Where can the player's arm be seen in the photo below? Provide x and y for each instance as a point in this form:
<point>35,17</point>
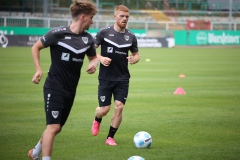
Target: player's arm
<point>98,40</point>
<point>133,58</point>
<point>104,60</point>
<point>36,60</point>
<point>92,66</point>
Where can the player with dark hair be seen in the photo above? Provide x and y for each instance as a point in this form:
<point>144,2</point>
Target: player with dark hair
<point>68,47</point>
<point>116,41</point>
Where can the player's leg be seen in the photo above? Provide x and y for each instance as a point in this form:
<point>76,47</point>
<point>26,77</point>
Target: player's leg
<point>117,114</point>
<point>58,106</point>
<point>48,138</point>
<point>120,95</point>
<point>35,152</point>
<point>100,112</point>
<point>58,111</point>
<point>115,123</point>
<point>54,109</point>
<point>104,99</point>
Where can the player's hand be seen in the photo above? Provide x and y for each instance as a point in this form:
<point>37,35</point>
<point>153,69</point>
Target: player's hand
<point>37,77</point>
<point>105,61</point>
<point>130,59</point>
<point>91,69</point>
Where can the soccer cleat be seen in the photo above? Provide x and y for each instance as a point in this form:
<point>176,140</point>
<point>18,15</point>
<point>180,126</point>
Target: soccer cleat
<point>95,127</point>
<point>110,141</point>
<point>31,156</point>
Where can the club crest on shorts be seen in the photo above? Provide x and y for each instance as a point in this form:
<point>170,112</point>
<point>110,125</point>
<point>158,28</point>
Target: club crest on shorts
<point>85,39</point>
<point>55,114</point>
<point>102,98</point>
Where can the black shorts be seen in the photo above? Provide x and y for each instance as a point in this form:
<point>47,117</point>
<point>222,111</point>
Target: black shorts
<point>119,90</point>
<point>57,106</point>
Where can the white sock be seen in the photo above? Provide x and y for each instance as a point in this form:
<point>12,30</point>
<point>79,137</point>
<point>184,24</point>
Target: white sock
<point>46,158</point>
<point>37,149</point>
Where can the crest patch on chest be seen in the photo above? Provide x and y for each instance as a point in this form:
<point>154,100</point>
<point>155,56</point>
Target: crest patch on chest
<point>85,39</point>
<point>126,37</point>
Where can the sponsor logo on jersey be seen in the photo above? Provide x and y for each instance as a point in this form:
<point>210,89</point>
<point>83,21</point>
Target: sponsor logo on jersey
<point>111,35</point>
<point>55,114</point>
<point>65,56</point>
<point>77,60</point>
<point>126,37</point>
<point>109,49</point>
<point>118,52</point>
<point>85,39</point>
<point>102,98</point>
<point>68,37</point>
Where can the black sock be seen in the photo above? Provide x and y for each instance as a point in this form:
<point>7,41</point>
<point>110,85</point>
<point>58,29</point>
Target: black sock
<point>98,119</point>
<point>112,132</point>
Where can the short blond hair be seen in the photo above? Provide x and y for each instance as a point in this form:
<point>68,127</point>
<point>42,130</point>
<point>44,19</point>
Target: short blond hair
<point>121,8</point>
<point>82,7</point>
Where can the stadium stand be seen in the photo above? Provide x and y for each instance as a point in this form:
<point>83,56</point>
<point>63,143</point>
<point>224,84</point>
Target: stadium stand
<point>150,15</point>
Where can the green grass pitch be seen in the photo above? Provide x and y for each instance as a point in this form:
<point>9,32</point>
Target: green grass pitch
<point>203,124</point>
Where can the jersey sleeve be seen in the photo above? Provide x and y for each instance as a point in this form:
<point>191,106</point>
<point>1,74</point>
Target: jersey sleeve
<point>48,39</point>
<point>92,50</point>
<point>98,38</point>
<point>134,47</point>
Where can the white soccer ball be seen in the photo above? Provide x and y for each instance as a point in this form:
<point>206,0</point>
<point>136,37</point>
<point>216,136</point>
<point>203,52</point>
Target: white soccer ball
<point>135,158</point>
<point>142,140</point>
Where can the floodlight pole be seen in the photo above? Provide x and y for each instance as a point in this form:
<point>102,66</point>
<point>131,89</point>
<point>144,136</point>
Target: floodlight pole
<point>45,12</point>
<point>97,16</point>
<point>230,15</point>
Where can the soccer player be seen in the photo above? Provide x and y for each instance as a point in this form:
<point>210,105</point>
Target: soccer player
<point>116,41</point>
<point>68,47</point>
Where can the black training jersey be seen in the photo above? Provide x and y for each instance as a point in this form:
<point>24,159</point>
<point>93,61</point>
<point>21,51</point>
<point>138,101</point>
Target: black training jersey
<point>67,54</point>
<point>115,45</point>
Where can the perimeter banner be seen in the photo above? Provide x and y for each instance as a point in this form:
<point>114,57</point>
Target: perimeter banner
<point>23,40</point>
<point>21,36</point>
<point>41,31</point>
<point>202,37</point>
<point>20,40</point>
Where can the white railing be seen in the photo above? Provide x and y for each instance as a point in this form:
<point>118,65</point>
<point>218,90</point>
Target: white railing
<point>99,23</point>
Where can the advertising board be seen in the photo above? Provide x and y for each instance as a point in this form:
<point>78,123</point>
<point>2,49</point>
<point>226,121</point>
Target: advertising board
<point>20,36</point>
<point>203,37</point>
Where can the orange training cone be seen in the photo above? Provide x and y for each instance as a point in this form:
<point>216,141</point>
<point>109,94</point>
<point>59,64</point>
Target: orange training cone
<point>182,75</point>
<point>179,90</point>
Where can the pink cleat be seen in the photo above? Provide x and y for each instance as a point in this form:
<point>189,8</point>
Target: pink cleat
<point>30,155</point>
<point>110,141</point>
<point>95,127</point>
